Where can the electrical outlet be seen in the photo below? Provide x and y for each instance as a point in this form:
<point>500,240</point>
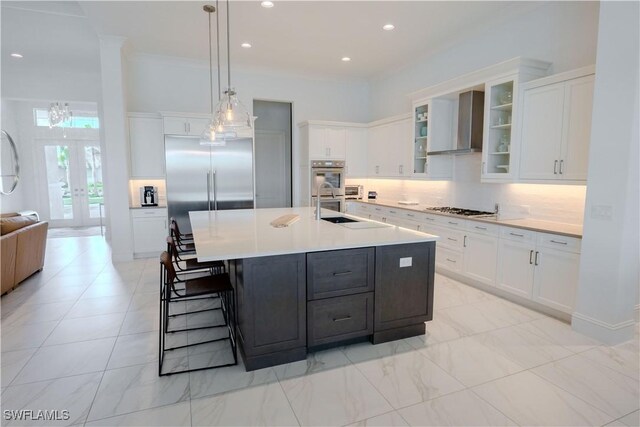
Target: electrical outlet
<point>604,212</point>
<point>406,262</point>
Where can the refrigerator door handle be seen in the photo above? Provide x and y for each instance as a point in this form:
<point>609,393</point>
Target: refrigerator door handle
<point>208,190</point>
<point>215,192</point>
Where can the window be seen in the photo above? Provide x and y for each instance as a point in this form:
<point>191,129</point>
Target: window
<point>80,119</point>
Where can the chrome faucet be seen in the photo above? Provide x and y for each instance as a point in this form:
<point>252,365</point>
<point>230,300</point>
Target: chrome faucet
<point>318,198</point>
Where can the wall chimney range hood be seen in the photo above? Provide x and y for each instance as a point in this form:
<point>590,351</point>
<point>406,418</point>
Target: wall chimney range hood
<point>470,124</point>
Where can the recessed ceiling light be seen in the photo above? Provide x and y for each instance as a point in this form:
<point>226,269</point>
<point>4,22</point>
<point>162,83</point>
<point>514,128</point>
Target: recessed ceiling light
<point>246,45</point>
<point>346,59</point>
<point>16,55</point>
<point>267,4</point>
<point>388,27</point>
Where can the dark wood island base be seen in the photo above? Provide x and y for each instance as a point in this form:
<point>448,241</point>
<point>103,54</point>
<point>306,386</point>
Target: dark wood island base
<point>291,304</point>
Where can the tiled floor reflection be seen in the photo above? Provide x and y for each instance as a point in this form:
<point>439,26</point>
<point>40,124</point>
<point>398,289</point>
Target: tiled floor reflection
<point>82,336</point>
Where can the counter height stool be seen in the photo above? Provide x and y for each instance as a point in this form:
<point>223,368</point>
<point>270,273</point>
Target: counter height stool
<point>184,245</point>
<point>187,287</point>
<point>183,236</point>
<point>183,264</point>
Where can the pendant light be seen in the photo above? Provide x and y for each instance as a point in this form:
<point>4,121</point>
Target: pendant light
<point>213,134</point>
<point>231,116</point>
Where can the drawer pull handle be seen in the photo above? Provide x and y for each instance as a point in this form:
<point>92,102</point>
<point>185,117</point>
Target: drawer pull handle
<point>481,228</point>
<point>531,256</point>
<point>377,209</point>
<point>536,260</point>
<point>411,215</point>
<point>341,319</point>
<point>393,212</point>
<point>342,273</point>
<point>453,223</point>
<point>453,240</point>
<point>560,243</point>
<point>430,219</point>
<point>451,260</point>
<point>517,235</point>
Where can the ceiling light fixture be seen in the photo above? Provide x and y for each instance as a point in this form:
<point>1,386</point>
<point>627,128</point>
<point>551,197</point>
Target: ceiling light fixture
<point>246,45</point>
<point>211,134</point>
<point>267,4</point>
<point>16,55</point>
<point>388,27</point>
<point>346,59</point>
<point>230,115</point>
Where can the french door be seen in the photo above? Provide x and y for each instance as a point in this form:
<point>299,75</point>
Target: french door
<point>73,179</point>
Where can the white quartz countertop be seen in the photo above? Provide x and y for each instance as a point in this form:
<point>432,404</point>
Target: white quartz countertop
<point>569,230</point>
<point>247,233</point>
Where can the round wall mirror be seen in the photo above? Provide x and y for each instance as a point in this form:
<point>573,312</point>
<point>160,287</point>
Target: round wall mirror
<point>9,166</point>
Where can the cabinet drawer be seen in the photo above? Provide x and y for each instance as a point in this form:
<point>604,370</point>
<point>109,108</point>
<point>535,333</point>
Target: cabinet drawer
<point>336,273</point>
<point>449,221</point>
<point>563,243</point>
<point>449,259</point>
<point>517,234</point>
<point>148,213</point>
<point>336,319</point>
<point>483,228</point>
<point>453,239</point>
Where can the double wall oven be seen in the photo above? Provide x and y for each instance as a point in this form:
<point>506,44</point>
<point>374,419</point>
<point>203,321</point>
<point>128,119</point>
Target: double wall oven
<point>332,172</point>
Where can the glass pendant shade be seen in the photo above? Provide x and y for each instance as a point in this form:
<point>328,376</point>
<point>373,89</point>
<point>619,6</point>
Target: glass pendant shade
<point>211,136</point>
<point>231,116</point>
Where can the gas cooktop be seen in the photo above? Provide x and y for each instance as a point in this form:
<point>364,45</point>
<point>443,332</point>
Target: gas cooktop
<point>460,211</point>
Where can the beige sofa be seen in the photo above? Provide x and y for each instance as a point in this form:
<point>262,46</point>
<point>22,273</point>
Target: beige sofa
<point>23,241</point>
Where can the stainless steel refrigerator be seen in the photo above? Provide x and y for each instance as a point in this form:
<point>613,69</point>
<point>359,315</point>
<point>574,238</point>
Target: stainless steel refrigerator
<point>201,177</point>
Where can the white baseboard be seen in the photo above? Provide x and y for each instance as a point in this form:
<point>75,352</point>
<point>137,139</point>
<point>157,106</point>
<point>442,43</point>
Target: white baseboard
<point>607,333</point>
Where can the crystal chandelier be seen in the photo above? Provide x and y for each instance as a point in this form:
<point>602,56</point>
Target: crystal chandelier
<point>59,114</point>
<point>230,115</point>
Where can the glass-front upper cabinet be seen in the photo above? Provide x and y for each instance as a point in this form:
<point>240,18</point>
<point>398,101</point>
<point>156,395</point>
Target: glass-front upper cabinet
<point>421,135</point>
<point>500,115</point>
<point>433,120</point>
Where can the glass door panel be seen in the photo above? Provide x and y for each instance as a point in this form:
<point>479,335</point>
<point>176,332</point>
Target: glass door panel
<point>93,179</point>
<point>58,176</point>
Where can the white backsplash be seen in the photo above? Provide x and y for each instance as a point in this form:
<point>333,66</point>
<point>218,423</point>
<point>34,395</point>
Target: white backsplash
<point>558,203</point>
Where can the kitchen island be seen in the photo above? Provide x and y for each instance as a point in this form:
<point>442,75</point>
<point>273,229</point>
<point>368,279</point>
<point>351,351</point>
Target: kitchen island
<point>316,284</point>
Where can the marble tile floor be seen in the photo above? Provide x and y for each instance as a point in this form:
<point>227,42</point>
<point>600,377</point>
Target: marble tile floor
<point>82,336</point>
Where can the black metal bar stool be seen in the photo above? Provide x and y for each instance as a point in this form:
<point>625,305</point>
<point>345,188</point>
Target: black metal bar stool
<point>191,286</point>
<point>183,236</point>
<point>184,246</point>
<point>182,263</point>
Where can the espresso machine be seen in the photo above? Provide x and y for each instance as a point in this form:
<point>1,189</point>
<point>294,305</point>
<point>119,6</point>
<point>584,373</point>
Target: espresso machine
<point>149,195</point>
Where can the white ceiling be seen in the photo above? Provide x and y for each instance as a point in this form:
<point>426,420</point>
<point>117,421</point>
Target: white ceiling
<point>306,37</point>
<point>48,35</point>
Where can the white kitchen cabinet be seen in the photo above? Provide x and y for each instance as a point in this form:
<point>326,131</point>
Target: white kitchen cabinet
<point>542,132</point>
<point>146,143</point>
<point>389,147</point>
<point>480,257</point>
<point>185,126</point>
<point>356,152</point>
<point>150,231</point>
<point>539,266</point>
<point>556,129</point>
<point>515,267</point>
<point>556,278</point>
<point>327,142</point>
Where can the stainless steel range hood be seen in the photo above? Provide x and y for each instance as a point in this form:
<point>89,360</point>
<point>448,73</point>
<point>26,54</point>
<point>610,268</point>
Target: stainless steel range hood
<point>470,124</point>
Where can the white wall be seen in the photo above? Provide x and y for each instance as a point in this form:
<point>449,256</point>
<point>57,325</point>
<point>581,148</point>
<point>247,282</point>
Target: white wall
<point>563,33</point>
<point>610,255</point>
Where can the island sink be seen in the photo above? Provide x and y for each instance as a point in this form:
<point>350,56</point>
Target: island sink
<point>339,219</point>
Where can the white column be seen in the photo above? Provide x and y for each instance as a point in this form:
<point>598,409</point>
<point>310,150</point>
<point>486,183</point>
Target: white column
<point>116,148</point>
<point>609,280</point>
